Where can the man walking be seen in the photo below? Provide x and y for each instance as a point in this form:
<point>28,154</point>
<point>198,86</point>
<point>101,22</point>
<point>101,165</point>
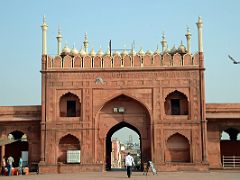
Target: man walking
<point>129,162</point>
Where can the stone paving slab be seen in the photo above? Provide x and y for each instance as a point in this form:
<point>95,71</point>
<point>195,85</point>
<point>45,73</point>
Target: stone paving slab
<point>212,175</point>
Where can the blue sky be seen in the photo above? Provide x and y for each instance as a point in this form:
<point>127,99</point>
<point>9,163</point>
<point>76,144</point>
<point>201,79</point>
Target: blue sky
<point>122,22</point>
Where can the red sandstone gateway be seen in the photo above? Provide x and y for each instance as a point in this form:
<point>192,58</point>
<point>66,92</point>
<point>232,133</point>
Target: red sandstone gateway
<point>87,96</point>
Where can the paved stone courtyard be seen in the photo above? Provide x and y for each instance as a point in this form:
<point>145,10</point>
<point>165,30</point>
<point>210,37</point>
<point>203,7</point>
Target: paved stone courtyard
<point>212,175</point>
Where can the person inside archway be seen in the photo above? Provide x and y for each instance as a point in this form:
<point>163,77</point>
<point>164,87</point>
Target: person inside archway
<point>20,166</point>
<point>10,161</point>
<point>3,165</point>
<point>129,162</point>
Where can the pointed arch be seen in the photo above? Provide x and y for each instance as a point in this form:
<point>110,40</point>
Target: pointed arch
<point>157,60</point>
<point>107,61</point>
<point>67,62</point>
<point>148,60</point>
<point>117,61</point>
<point>196,59</point>
<point>111,98</point>
<point>135,115</point>
<point>127,61</point>
<point>178,149</point>
<point>49,62</point>
<point>177,59</point>
<point>87,62</point>
<point>77,62</point>
<point>97,62</point>
<point>69,105</point>
<point>57,62</point>
<point>166,59</point>
<point>187,60</point>
<point>109,134</point>
<point>176,103</point>
<point>67,143</point>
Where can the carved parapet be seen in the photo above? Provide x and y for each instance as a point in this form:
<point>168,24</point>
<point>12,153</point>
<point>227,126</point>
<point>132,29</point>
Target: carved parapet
<point>122,61</point>
<point>177,60</point>
<point>67,62</point>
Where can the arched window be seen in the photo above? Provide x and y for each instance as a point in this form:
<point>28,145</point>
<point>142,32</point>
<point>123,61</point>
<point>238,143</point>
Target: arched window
<point>70,106</point>
<point>178,149</point>
<point>176,103</point>
<point>69,149</point>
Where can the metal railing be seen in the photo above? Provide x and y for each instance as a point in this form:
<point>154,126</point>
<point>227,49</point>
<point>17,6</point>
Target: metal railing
<point>231,161</point>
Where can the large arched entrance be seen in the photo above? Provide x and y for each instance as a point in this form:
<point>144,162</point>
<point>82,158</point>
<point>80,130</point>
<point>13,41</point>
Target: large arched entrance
<point>229,146</point>
<point>18,147</point>
<point>122,148</point>
<point>123,111</point>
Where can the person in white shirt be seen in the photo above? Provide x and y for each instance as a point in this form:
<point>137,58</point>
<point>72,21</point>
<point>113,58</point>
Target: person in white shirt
<point>129,162</point>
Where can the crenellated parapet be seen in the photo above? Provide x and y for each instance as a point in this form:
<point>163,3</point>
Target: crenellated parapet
<point>176,57</point>
<point>122,61</point>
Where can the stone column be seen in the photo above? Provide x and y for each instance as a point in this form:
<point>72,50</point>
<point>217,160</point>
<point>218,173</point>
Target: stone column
<point>2,152</point>
<point>44,36</point>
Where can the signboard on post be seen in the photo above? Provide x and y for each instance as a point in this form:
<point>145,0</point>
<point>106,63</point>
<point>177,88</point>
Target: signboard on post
<point>149,165</point>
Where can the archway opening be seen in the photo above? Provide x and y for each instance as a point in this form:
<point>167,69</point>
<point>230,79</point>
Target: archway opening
<point>178,149</point>
<point>69,150</point>
<point>18,147</point>
<point>230,142</point>
<point>121,139</point>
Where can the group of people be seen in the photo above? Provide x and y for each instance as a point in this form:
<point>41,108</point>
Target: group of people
<point>8,165</point>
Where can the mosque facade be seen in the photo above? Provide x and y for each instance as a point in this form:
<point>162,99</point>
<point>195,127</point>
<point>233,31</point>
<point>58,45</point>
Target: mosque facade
<point>88,96</point>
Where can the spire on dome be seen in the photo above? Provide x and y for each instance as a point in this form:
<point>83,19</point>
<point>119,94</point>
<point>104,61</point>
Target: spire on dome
<point>141,52</point>
<point>164,42</point>
<point>74,51</point>
<point>100,52</point>
<point>85,42</point>
<point>92,53</point>
<point>157,50</point>
<point>188,36</point>
<point>59,40</point>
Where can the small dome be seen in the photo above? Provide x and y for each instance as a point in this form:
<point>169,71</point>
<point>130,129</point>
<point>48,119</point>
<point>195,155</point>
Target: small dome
<point>173,50</point>
<point>167,50</point>
<point>124,53</point>
<point>107,53</point>
<point>82,52</point>
<point>141,52</point>
<point>149,52</point>
<point>181,48</point>
<point>92,53</point>
<point>100,52</point>
<point>66,49</point>
<point>116,53</point>
<point>133,52</point>
<point>74,51</point>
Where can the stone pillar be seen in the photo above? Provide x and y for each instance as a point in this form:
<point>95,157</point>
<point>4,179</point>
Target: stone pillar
<point>59,42</point>
<point>2,152</point>
<point>200,25</point>
<point>188,36</point>
<point>44,36</point>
